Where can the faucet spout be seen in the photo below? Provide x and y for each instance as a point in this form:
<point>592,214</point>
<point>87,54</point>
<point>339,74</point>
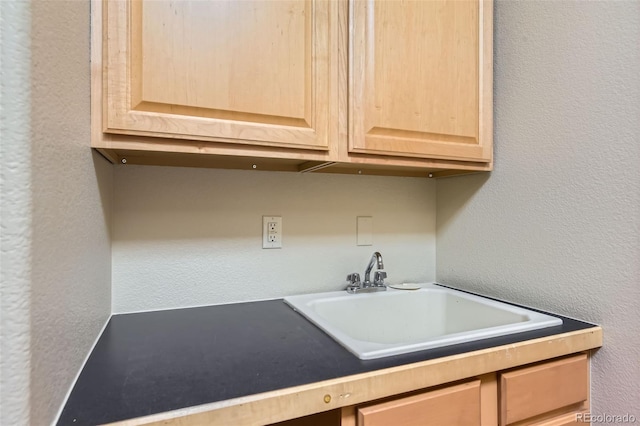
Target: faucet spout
<point>353,280</point>
<point>376,260</point>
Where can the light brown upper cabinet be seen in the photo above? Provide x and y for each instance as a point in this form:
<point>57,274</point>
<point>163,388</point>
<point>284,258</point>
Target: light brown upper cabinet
<point>421,79</point>
<point>251,72</point>
<point>347,86</point>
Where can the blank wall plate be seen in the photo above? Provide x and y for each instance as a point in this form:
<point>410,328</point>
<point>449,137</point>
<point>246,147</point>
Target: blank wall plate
<point>271,232</point>
<point>364,230</point>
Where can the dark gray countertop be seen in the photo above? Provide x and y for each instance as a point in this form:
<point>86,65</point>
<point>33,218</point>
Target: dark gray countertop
<point>152,362</point>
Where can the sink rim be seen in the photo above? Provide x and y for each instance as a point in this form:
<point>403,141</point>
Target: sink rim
<point>365,350</point>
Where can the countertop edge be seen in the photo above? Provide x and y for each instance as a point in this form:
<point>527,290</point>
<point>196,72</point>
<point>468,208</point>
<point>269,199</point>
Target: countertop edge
<point>298,401</point>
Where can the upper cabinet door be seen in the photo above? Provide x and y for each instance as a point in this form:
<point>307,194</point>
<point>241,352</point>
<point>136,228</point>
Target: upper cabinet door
<point>421,79</point>
<point>249,72</point>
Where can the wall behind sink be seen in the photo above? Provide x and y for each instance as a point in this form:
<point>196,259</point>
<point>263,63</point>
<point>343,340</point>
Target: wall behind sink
<point>556,225</point>
<point>187,237</point>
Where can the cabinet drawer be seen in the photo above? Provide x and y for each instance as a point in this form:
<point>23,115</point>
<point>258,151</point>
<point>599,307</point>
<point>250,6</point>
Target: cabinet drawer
<point>540,389</point>
<point>573,418</point>
<point>454,405</point>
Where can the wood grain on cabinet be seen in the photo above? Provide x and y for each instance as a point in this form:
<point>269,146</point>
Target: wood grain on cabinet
<point>489,399</point>
<point>269,83</point>
<point>257,73</point>
<point>574,418</point>
<point>544,388</point>
<point>452,405</point>
<point>488,405</point>
<point>421,79</point>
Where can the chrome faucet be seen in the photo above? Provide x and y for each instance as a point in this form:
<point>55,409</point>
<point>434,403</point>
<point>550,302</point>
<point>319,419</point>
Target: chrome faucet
<point>355,286</point>
<point>375,259</point>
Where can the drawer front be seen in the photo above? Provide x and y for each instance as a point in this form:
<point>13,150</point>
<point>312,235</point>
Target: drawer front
<point>574,418</point>
<point>540,389</point>
<point>454,405</point>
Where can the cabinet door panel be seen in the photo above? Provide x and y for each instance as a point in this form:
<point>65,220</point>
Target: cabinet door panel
<point>532,391</point>
<point>574,418</point>
<point>454,405</point>
<point>251,72</point>
<point>421,78</point>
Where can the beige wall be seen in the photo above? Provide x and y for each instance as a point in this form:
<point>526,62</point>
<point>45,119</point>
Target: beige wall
<point>59,210</point>
<point>185,237</point>
<point>72,194</point>
<point>556,225</point>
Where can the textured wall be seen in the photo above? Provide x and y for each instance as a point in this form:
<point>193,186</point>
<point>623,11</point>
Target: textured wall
<point>72,192</point>
<point>185,237</point>
<point>56,246</point>
<point>556,225</point>
<point>15,217</point>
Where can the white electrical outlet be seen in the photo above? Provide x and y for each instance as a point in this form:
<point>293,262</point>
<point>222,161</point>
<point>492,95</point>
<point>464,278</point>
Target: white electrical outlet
<point>271,232</point>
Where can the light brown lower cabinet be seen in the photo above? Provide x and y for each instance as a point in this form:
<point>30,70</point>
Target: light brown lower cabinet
<point>550,393</point>
<point>453,405</point>
<point>547,394</point>
<point>574,418</point>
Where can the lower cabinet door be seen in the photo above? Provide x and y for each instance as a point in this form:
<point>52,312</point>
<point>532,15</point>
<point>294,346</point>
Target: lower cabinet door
<point>541,390</point>
<point>574,418</point>
<point>453,405</point>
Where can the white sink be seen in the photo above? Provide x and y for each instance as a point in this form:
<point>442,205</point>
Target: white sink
<point>375,325</point>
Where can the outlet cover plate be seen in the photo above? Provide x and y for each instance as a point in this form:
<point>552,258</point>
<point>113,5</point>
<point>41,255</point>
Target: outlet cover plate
<point>271,232</point>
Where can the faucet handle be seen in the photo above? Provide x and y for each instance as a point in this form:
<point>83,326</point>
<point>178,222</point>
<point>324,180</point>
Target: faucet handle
<point>353,283</point>
<point>378,278</point>
<point>354,279</point>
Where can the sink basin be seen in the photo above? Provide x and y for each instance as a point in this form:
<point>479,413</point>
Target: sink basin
<point>375,325</point>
